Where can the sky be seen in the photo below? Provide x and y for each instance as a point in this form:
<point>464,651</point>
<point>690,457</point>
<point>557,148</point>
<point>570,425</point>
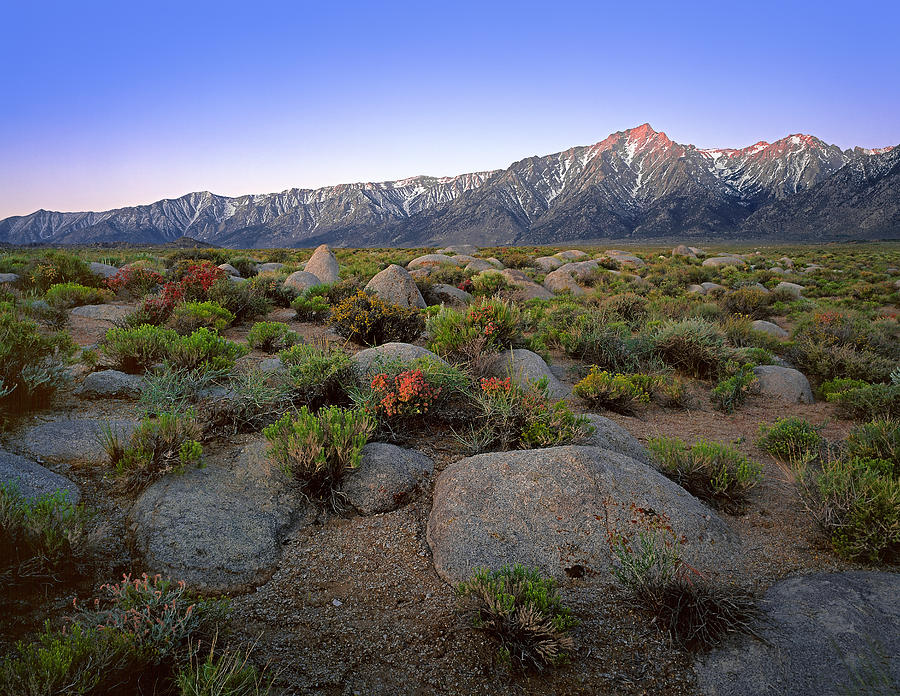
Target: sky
<point>112,104</point>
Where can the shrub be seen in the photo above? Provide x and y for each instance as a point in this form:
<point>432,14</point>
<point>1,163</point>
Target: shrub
<point>748,301</point>
<point>837,386</point>
<point>135,349</point>
<point>244,265</point>
<point>591,338</point>
<point>790,439</point>
<point>271,336</point>
<point>693,346</point>
<point>271,288</point>
<point>522,611</point>
<point>319,448</point>
<point>870,401</point>
<point>204,350</point>
<point>66,295</point>
<point>190,316</point>
<point>195,278</point>
<point>879,443</point>
<point>403,395</point>
<point>239,299</point>
<point>56,267</point>
<point>318,373</point>
<point>488,325</point>
<point>516,259</point>
<point>40,537</point>
<point>732,391</point>
<point>509,416</point>
<point>162,445</point>
<point>715,473</point>
<point>173,390</point>
<point>136,281</point>
<point>489,283</point>
<point>312,304</point>
<point>224,674</point>
<point>628,307</point>
<point>369,320</point>
<point>617,392</point>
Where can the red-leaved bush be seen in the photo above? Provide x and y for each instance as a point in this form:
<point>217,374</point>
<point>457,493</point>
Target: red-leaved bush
<point>136,281</point>
<point>407,394</point>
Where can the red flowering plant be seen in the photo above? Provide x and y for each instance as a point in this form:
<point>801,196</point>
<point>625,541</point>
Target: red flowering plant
<point>196,278</point>
<point>406,394</point>
<point>135,281</point>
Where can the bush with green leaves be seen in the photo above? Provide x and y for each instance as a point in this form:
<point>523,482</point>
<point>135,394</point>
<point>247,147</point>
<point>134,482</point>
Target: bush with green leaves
<point>879,443</point>
<point>318,372</point>
<point>244,265</point>
<point>748,301</point>
<point>168,443</point>
<point>187,317</point>
<point>312,304</point>
<point>226,673</point>
<point>870,401</point>
<point>41,537</point>
<point>522,611</point>
<point>790,439</point>
<point>270,287</point>
<point>711,471</point>
<point>486,326</point>
<point>488,283</point>
<point>368,320</point>
<point>56,267</point>
<point>205,350</point>
<point>271,336</point>
<point>243,300</point>
<point>67,295</point>
<point>136,349</point>
<point>318,449</point>
<point>615,391</point>
<point>628,307</point>
<point>693,346</point>
<point>591,337</point>
<point>733,391</point>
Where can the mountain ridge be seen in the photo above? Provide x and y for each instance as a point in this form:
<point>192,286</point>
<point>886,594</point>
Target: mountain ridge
<point>636,183</point>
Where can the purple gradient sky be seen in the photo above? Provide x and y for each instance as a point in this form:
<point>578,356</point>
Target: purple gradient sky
<point>113,104</point>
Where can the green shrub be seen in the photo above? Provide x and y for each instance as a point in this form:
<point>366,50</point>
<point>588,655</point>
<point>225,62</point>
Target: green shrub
<point>628,307</point>
<point>879,443</point>
<point>871,401</point>
<point>40,537</point>
<point>271,288</point>
<point>255,400</point>
<point>713,472</point>
<point>617,392</point>
<point>224,674</point>
<point>486,326</point>
<point>312,304</point>
<point>693,346</point>
<point>190,316</point>
<point>240,299</point>
<point>516,259</point>
<point>732,391</point>
<point>318,373</point>
<point>748,301</point>
<point>790,439</point>
<point>56,267</point>
<point>271,336</point>
<point>318,449</point>
<point>489,283</point>
<point>369,320</point>
<point>244,265</point>
<point>523,612</point>
<point>609,346</point>
<point>173,390</point>
<point>136,349</point>
<point>205,350</point>
<point>159,446</point>
<point>66,295</point>
<point>837,386</point>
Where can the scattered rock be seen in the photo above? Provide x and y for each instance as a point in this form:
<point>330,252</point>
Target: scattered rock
<point>724,261</point>
<point>562,281</point>
<point>785,262</point>
<point>301,280</point>
<point>396,286</point>
<point>103,269</point>
<point>527,288</point>
<point>431,260</point>
<point>572,255</point>
<point>270,365</point>
<point>9,278</point>
<point>682,250</point>
<point>819,635</point>
<point>769,328</point>
<point>609,435</point>
<point>33,480</point>
<point>553,508</point>
<point>459,249</point>
<point>449,295</point>
<point>496,263</point>
<point>697,252</point>
<point>524,366</point>
<point>812,268</point>
<point>624,258</point>
<point>790,288</point>
<point>323,264</point>
<point>70,441</point>
<point>783,384</point>
<point>229,269</point>
<point>778,270</point>
<point>218,528</point>
<point>368,361</point>
<point>479,265</point>
<point>698,289</point>
<point>548,263</point>
<point>709,287</point>
<point>580,270</point>
<point>269,267</point>
<point>463,260</point>
<point>237,279</point>
<point>387,476</point>
<point>111,384</point>
<point>102,312</point>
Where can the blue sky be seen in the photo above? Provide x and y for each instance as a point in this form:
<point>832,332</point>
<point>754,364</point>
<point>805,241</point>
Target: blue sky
<point>112,104</point>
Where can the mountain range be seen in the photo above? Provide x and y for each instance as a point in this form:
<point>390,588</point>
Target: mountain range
<point>635,184</point>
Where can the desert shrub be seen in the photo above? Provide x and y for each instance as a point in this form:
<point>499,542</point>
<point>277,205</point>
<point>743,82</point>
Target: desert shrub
<point>404,395</point>
<point>190,316</point>
<point>693,346</point>
<point>205,350</point>
<point>239,299</point>
<point>486,326</point>
<point>166,444</point>
<point>174,390</point>
<point>516,259</point>
<point>66,295</point>
<point>318,449</point>
<point>318,372</point>
<point>836,386</point>
<point>790,439</point>
<point>489,283</point>
<point>213,256</point>
<point>32,363</point>
<point>732,391</point>
<point>522,611</point>
<point>609,346</point>
<point>40,537</point>
<point>255,400</point>
<point>870,401</point>
<point>628,307</point>
<point>135,349</point>
<point>312,304</point>
<point>507,416</point>
<point>369,320</point>
<point>713,472</point>
<point>747,301</point>
<point>227,673</point>
<point>271,336</point>
<point>615,391</point>
<point>271,288</point>
<point>878,442</point>
<point>195,278</point>
<point>694,612</point>
<point>739,331</point>
<point>136,281</point>
<point>244,265</point>
<point>56,267</point>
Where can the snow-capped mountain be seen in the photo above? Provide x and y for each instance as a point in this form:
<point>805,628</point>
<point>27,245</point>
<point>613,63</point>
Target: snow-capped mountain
<point>635,183</point>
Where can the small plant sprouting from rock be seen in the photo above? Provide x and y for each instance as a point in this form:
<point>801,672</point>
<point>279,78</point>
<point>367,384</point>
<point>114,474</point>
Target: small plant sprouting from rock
<point>522,611</point>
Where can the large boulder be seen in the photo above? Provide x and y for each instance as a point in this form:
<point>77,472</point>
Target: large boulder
<point>524,367</point>
<point>271,267</point>
<point>609,435</point>
<point>33,480</point>
<point>792,289</point>
<point>396,286</point>
<point>71,441</point>
<point>386,478</point>
<point>580,270</point>
<point>324,265</point>
<point>103,269</point>
<point>572,255</point>
<point>479,265</point>
<point>717,261</point>
<point>369,362</point>
<point>561,280</point>
<point>229,269</point>
<point>556,508</point>
<point>449,295</point>
<point>301,280</point>
<point>783,384</point>
<point>768,327</point>
<point>110,384</point>
<point>431,260</point>
<point>459,249</point>
<point>683,250</point>
<point>823,634</point>
<point>547,263</point>
<point>709,287</point>
<point>624,258</point>
<point>219,528</point>
<point>102,312</point>
<point>526,288</point>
